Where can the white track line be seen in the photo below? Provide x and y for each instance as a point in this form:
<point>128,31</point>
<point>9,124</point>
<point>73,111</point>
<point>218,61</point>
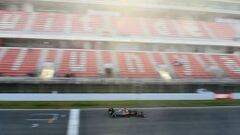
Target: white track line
<point>73,122</point>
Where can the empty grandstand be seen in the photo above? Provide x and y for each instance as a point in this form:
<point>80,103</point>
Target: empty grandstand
<point>119,46</point>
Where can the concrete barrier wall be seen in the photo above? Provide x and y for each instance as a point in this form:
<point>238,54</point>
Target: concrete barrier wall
<point>236,96</point>
<point>106,97</point>
<point>111,96</point>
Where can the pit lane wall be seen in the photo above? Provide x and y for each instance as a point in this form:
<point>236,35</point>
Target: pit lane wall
<point>116,97</point>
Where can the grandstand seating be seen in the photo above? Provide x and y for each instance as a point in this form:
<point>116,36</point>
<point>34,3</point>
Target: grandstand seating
<point>230,64</point>
<point>160,27</point>
<point>135,64</point>
<point>107,57</point>
<point>51,55</point>
<point>207,59</point>
<point>130,64</point>
<point>186,66</point>
<point>56,23</point>
<point>86,24</point>
<point>157,58</point>
<point>13,21</point>
<point>221,30</point>
<point>192,29</point>
<point>79,63</point>
<point>129,26</point>
<point>19,62</point>
<point>49,22</point>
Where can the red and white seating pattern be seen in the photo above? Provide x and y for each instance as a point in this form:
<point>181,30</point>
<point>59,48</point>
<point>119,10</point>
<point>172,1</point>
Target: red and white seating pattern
<point>127,26</point>
<point>135,64</point>
<point>193,29</point>
<point>160,27</point>
<point>13,21</point>
<point>57,23</point>
<point>130,64</point>
<point>78,62</point>
<point>221,30</point>
<point>49,22</point>
<point>107,57</point>
<point>157,58</point>
<point>187,66</point>
<point>51,56</point>
<point>230,64</point>
<point>19,62</point>
<point>86,24</point>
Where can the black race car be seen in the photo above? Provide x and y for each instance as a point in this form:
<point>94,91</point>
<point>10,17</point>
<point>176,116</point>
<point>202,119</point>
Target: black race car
<point>113,113</point>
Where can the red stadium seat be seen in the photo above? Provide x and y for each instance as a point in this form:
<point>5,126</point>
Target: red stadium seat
<point>186,66</point>
<point>13,21</point>
<point>86,24</point>
<point>161,27</point>
<point>192,29</point>
<point>135,65</point>
<point>107,57</point>
<point>51,55</point>
<point>85,63</point>
<point>81,63</point>
<point>221,30</point>
<point>92,25</point>
<point>19,62</point>
<point>230,64</point>
<point>127,26</point>
<point>157,58</point>
<point>207,59</point>
<point>49,22</point>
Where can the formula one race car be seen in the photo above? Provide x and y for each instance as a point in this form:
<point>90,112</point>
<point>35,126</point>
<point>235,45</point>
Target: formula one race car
<point>113,113</point>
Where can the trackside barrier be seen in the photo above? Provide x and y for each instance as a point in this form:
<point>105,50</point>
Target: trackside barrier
<point>236,96</point>
<point>116,97</point>
<point>106,96</point>
<point>224,96</point>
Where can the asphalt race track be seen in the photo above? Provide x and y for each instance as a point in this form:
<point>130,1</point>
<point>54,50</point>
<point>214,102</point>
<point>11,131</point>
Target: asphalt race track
<point>197,121</point>
<point>31,122</point>
<point>158,121</point>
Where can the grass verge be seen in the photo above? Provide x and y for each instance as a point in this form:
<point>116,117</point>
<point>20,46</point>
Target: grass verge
<point>98,104</point>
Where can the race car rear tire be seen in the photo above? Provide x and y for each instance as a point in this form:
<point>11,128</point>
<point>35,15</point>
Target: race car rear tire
<point>113,116</point>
